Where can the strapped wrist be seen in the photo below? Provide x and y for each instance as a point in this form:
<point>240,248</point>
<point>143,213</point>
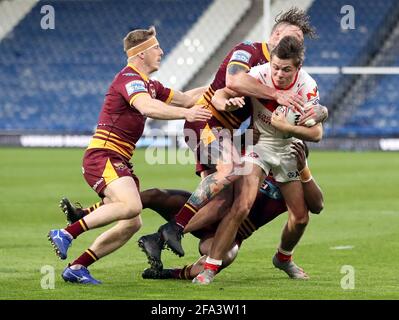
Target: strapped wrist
<point>305,175</point>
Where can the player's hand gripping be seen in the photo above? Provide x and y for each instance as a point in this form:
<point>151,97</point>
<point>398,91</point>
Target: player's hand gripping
<point>290,99</point>
<point>280,122</point>
<point>299,153</point>
<point>312,115</point>
<point>197,113</point>
<point>234,103</point>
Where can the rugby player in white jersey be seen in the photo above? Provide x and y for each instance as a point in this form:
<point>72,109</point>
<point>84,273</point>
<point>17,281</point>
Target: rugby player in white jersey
<point>272,153</point>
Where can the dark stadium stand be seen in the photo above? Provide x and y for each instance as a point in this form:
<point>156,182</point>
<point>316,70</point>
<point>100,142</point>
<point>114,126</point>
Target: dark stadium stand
<point>337,47</point>
<point>55,80</point>
<point>355,47</point>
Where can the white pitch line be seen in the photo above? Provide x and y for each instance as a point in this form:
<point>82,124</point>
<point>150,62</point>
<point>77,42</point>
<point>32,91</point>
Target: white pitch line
<point>342,248</point>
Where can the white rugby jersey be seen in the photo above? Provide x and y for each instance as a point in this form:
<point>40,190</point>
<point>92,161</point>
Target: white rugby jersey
<point>304,85</point>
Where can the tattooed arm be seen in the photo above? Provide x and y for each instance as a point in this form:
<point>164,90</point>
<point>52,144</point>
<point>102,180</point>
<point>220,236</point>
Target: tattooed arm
<point>209,187</point>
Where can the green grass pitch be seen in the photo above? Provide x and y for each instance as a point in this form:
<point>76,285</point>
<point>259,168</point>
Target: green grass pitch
<point>361,217</point>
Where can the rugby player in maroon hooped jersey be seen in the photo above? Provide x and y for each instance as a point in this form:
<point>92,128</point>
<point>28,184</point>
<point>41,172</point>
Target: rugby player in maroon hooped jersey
<point>269,204</point>
<point>131,98</point>
<point>232,74</point>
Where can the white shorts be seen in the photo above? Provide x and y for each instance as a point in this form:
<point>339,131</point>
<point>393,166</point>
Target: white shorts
<point>283,164</point>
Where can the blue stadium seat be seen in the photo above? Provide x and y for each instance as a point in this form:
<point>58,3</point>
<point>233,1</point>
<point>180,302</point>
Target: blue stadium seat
<point>55,80</point>
<point>353,47</point>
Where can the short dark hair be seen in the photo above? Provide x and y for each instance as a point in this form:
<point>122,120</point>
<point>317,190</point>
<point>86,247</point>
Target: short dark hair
<point>296,17</point>
<point>290,48</point>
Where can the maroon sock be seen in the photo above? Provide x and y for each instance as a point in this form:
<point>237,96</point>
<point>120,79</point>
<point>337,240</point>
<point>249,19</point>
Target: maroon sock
<point>75,229</point>
<point>185,214</point>
<point>184,273</point>
<point>87,258</point>
<point>283,257</point>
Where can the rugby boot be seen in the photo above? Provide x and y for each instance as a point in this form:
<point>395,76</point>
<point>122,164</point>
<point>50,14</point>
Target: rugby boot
<point>72,212</point>
<point>61,241</point>
<point>81,275</point>
<point>151,273</point>
<point>205,277</point>
<point>290,268</point>
<point>171,234</point>
<point>152,246</point>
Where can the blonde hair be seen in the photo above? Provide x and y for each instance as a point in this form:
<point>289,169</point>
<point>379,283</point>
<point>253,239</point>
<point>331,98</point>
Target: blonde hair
<point>136,37</point>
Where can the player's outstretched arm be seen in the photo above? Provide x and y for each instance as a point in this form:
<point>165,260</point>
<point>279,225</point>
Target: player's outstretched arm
<point>159,110</point>
<point>312,192</point>
<point>187,99</point>
<point>196,93</point>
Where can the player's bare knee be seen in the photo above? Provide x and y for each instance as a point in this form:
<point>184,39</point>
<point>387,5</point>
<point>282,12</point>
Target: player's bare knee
<point>301,221</point>
<point>132,209</point>
<point>317,207</point>
<point>135,225</point>
<point>127,228</point>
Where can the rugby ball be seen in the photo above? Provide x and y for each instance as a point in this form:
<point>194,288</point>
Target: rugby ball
<point>290,114</point>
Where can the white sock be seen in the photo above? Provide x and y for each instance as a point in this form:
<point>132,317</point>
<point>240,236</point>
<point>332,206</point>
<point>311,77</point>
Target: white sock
<point>287,253</point>
<point>213,261</point>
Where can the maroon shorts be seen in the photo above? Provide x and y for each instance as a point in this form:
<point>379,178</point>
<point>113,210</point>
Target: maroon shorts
<point>194,135</point>
<point>102,166</point>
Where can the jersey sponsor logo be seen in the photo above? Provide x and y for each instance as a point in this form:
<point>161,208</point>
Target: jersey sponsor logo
<point>312,94</point>
<point>293,174</point>
<point>315,102</point>
<point>249,43</point>
<point>129,74</point>
<point>241,56</point>
<point>152,91</point>
<point>95,186</point>
<point>135,86</point>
